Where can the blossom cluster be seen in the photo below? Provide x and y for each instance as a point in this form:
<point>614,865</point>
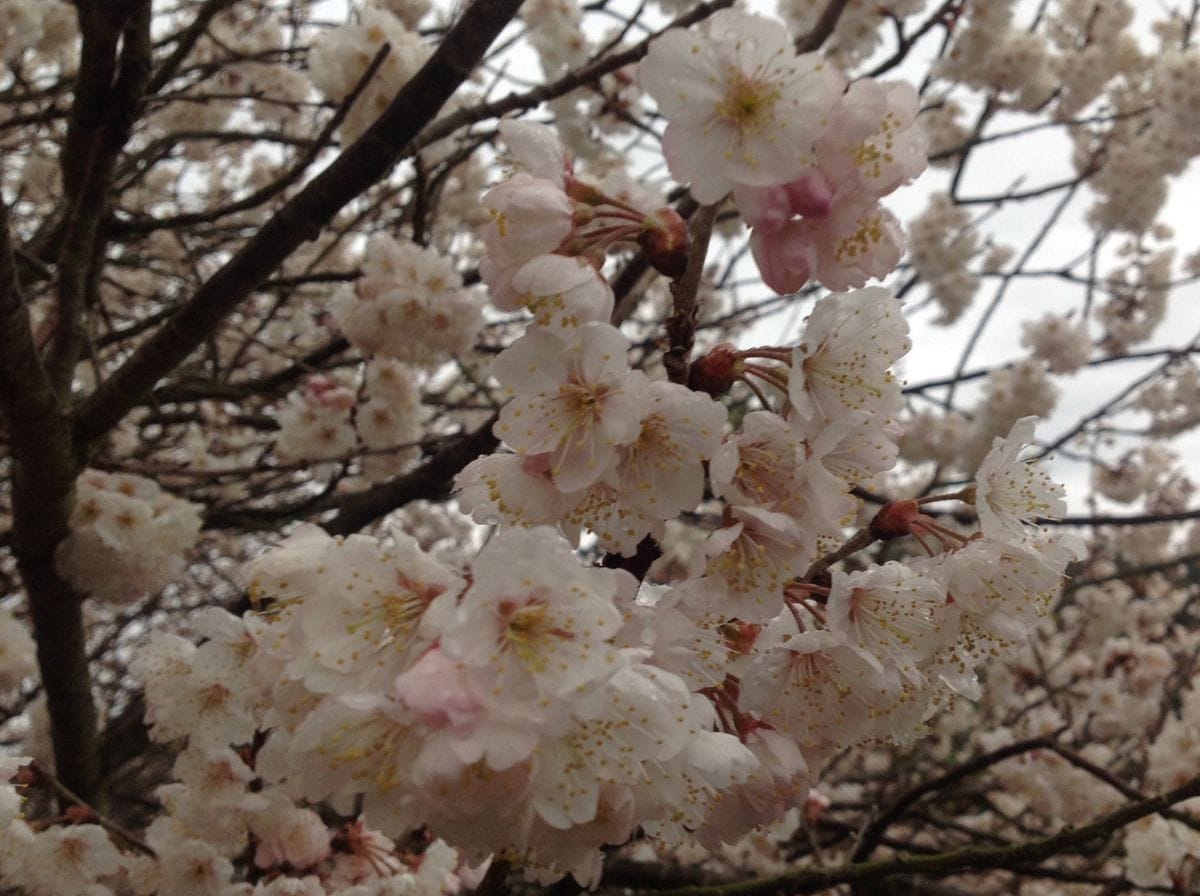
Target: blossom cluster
<point>525,705</point>
<point>386,717</point>
<point>128,536</point>
<point>329,420</point>
<point>538,709</point>
<point>212,812</point>
<point>408,312</point>
<point>807,155</point>
<point>339,60</point>
<point>409,304</point>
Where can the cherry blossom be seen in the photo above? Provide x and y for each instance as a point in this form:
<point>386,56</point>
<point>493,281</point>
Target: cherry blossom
<point>670,598</point>
<point>531,216</point>
<point>815,687</point>
<point>562,293</point>
<point>409,304</point>
<point>359,613</point>
<point>742,107</point>
<point>578,402</point>
<point>1011,493</point>
<point>533,625</point>
<point>842,362</point>
<point>513,489</point>
<point>893,615</point>
<point>127,537</point>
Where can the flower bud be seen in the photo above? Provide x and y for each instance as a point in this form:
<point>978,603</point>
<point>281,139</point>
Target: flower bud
<point>664,239</point>
<point>895,520</point>
<point>715,372</point>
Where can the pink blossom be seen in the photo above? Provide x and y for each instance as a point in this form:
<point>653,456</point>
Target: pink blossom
<point>436,689</point>
<point>896,617</point>
<point>873,143</point>
<point>810,195</point>
<point>786,255</point>
<point>857,241</point>
<point>513,489</point>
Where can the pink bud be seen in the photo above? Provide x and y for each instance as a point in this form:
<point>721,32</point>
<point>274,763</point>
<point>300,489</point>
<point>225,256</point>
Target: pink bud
<point>895,520</point>
<point>664,239</point>
<point>715,372</point>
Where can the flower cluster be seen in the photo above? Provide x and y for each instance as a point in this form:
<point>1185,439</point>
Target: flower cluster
<point>545,209</point>
<point>557,698</point>
<point>534,708</point>
<point>128,536</point>
<point>213,812</point>
<point>409,304</point>
<point>807,155</point>
<point>530,707</point>
<point>382,421</point>
<point>339,59</point>
<point>387,716</point>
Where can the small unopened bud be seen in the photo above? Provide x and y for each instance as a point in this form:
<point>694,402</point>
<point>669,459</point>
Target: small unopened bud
<point>815,807</point>
<point>664,239</point>
<point>715,372</point>
<point>895,520</point>
<point>80,814</point>
<point>740,636</point>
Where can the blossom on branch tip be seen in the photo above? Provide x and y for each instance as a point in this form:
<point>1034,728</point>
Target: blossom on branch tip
<point>535,147</point>
<point>1011,493</point>
<point>741,106</point>
<point>841,365</point>
<point>562,293</point>
<point>531,216</point>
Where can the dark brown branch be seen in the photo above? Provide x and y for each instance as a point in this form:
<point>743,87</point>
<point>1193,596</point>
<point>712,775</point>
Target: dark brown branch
<point>681,327</point>
<point>113,70</point>
<point>44,470</point>
<point>870,835</point>
<point>824,27</point>
<point>187,39</point>
<point>432,480</point>
<point>1019,856</point>
<point>269,191</point>
<point>302,218</point>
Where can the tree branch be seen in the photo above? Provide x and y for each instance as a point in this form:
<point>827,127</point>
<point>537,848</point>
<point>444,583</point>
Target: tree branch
<point>359,167</point>
<point>681,327</point>
<point>824,27</point>
<point>114,68</point>
<point>1017,856</point>
<point>44,470</point>
<point>429,481</point>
